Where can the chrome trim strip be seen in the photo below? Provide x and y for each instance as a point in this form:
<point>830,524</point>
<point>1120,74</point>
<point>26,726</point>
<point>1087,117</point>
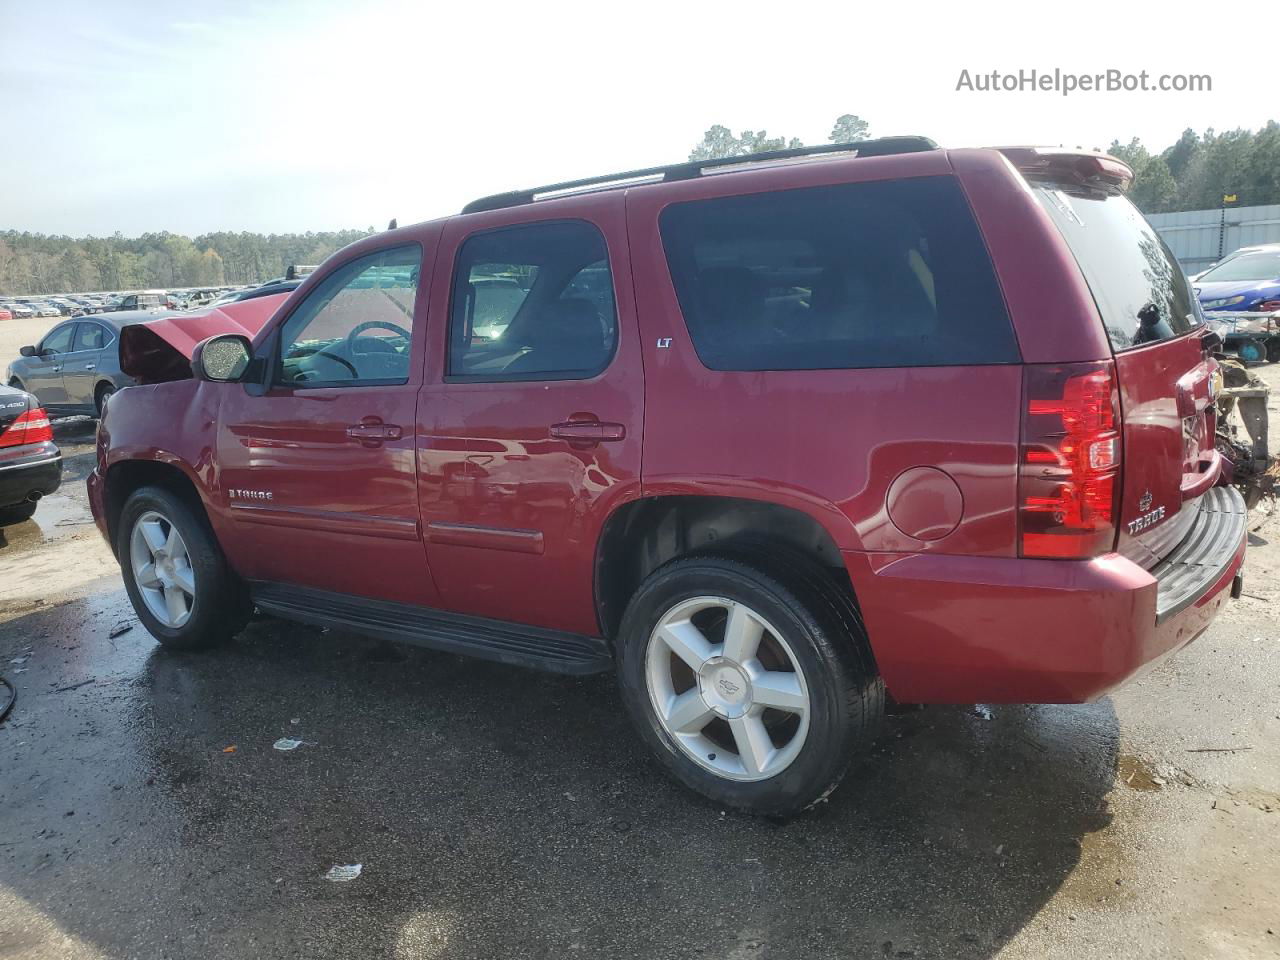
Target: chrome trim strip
<point>57,457</point>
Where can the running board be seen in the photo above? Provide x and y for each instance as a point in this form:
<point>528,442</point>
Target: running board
<point>509,643</point>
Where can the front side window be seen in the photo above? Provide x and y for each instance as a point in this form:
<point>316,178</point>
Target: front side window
<point>356,327</point>
<point>533,302</point>
<point>59,340</point>
<point>883,274</point>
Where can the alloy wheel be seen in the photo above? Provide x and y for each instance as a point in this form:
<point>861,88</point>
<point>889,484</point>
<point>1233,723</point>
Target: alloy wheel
<point>162,569</point>
<point>727,688</point>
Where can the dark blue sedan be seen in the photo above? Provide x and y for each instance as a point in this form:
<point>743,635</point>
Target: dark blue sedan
<point>1241,300</point>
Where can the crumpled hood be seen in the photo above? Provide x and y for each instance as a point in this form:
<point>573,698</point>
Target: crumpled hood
<point>160,350</point>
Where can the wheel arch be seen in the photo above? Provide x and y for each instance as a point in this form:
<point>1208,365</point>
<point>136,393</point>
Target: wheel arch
<point>642,535</point>
<point>125,476</point>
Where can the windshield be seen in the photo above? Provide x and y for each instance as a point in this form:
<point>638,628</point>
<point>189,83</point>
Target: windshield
<point>1247,266</point>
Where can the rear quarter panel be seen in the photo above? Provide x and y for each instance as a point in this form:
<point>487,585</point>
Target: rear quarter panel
<point>827,442</point>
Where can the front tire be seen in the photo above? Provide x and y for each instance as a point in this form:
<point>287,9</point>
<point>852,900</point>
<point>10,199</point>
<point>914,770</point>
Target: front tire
<point>751,680</point>
<point>174,571</point>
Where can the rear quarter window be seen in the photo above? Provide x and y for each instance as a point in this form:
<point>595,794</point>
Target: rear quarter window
<point>1137,283</point>
<point>882,274</point>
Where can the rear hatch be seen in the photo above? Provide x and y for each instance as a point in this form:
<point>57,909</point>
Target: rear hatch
<point>1163,372</point>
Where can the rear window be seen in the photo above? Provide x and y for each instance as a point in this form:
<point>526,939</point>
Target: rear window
<point>1141,291</point>
<point>884,274</point>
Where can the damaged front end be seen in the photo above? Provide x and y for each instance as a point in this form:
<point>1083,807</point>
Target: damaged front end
<point>159,351</point>
<point>1248,466</point>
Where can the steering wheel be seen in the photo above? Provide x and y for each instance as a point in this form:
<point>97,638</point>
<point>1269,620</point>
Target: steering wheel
<point>360,328</point>
<point>355,374</point>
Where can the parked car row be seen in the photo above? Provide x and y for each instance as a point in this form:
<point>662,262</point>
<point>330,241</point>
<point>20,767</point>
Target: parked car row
<point>77,305</point>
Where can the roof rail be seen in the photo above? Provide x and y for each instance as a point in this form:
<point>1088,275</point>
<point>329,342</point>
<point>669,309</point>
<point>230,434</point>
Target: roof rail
<point>695,168</point>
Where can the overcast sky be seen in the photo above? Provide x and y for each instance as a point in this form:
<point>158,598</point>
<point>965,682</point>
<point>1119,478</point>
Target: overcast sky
<point>294,116</point>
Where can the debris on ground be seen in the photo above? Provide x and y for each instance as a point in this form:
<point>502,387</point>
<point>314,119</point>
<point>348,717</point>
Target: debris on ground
<point>230,749</point>
<point>74,686</point>
<point>1218,749</point>
<point>121,628</point>
<point>340,873</point>
<point>288,743</point>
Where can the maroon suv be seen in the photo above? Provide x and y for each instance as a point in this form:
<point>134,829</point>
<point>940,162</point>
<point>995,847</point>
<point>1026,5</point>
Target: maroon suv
<point>770,437</point>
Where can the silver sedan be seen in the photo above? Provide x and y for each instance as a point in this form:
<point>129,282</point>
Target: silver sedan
<point>76,365</point>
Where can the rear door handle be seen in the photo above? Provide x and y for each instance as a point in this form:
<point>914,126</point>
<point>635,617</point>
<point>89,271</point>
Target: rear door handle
<point>91,366</point>
<point>590,431</point>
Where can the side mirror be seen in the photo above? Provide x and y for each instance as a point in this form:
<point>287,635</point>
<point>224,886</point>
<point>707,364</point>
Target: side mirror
<point>27,351</point>
<point>221,359</point>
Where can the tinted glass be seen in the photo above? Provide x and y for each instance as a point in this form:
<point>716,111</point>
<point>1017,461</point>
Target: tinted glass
<point>356,326</point>
<point>1139,288</point>
<point>883,274</point>
<point>1247,266</point>
<point>59,341</point>
<point>533,302</point>
<point>90,336</point>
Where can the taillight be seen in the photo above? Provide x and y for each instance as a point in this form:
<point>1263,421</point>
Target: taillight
<point>1269,306</point>
<point>30,427</point>
<point>1069,470</point>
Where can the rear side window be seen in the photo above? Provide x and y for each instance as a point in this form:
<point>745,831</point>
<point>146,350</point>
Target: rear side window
<point>1141,291</point>
<point>533,302</point>
<point>90,336</point>
<point>883,274</point>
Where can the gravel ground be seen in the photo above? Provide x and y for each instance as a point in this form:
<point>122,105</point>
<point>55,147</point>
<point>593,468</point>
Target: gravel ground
<point>502,813</point>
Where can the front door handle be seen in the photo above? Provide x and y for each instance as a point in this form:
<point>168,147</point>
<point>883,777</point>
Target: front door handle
<point>590,431</point>
<point>371,431</point>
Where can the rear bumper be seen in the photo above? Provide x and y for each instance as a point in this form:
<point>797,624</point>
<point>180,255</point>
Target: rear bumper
<point>949,629</point>
<point>24,471</point>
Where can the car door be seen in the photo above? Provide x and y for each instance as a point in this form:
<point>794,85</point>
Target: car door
<point>318,471</point>
<point>80,366</point>
<point>43,374</point>
<point>530,425</point>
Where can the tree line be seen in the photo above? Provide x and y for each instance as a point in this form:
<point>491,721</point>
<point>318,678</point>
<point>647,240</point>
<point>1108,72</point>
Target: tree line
<point>34,263</point>
<point>1197,171</point>
<point>1192,174</point>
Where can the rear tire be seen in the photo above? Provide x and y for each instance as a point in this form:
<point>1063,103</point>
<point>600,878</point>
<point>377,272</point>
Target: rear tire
<point>17,513</point>
<point>174,571</point>
<point>771,731</point>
